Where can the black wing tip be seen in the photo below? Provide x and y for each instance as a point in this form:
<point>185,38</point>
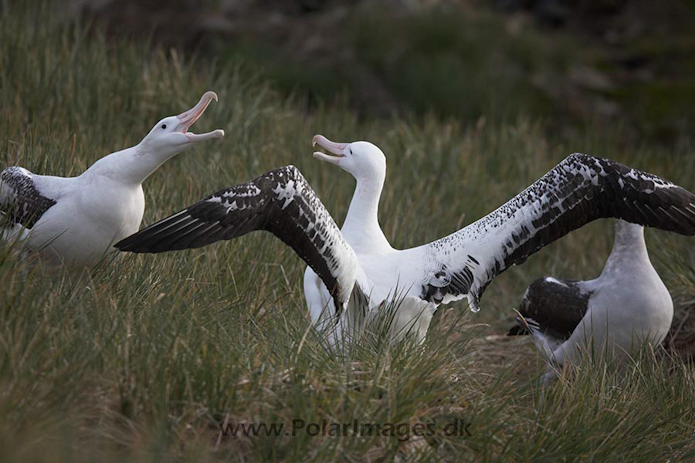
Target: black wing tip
<point>132,244</point>
<point>145,248</point>
<point>144,245</point>
<point>138,243</point>
<point>677,206</point>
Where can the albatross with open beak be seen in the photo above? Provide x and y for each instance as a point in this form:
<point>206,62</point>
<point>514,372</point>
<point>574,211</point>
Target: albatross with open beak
<point>76,220</point>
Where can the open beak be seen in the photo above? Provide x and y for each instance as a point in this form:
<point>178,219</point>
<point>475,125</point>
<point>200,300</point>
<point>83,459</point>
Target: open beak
<point>188,118</point>
<point>330,146</point>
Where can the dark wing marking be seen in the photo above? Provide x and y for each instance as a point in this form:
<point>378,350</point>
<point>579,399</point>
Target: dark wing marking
<point>280,202</point>
<point>580,189</point>
<point>555,307</point>
<point>21,202</point>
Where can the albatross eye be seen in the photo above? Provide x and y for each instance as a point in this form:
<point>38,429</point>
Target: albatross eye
<point>164,126</point>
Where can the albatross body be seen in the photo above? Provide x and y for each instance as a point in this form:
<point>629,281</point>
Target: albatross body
<point>626,306</point>
<point>76,220</point>
<point>359,261</point>
<point>378,261</point>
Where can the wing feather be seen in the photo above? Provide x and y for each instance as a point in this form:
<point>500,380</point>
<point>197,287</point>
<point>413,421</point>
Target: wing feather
<point>555,306</point>
<point>21,201</point>
<point>280,202</point>
<point>580,189</point>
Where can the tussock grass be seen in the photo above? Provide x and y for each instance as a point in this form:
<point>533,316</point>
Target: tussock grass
<point>147,357</point>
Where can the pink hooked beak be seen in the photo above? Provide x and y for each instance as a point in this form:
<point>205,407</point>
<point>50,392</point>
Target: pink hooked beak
<point>330,146</point>
<point>188,118</point>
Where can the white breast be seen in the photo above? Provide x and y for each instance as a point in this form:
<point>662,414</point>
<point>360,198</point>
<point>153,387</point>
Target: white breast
<point>82,226</point>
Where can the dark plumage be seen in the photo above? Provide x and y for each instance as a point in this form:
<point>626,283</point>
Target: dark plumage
<point>554,306</point>
<point>21,202</point>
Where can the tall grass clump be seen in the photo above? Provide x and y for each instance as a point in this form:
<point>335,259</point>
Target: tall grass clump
<point>147,358</point>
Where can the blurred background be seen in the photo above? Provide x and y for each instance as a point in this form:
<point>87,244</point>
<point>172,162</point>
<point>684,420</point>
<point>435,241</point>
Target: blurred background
<point>572,63</point>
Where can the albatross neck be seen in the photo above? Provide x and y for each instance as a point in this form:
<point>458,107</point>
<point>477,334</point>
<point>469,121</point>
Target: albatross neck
<point>129,166</point>
<point>629,249</point>
<point>361,227</point>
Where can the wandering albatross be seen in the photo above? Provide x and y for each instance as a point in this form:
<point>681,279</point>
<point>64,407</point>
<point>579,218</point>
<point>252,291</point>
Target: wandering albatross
<point>76,220</point>
<point>626,306</point>
<point>580,189</point>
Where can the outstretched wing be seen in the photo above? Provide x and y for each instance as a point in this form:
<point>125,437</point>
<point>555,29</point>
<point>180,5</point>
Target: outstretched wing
<point>280,202</point>
<point>580,189</point>
<point>21,199</point>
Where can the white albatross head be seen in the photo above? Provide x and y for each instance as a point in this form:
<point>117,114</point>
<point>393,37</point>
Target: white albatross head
<point>166,139</point>
<point>170,136</point>
<point>362,159</point>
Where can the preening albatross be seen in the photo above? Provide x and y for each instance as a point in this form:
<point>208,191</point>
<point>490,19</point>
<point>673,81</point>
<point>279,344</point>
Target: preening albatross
<point>580,189</point>
<point>76,220</point>
<point>626,306</point>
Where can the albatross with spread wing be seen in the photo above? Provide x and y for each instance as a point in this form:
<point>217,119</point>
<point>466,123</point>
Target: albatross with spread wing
<point>580,189</point>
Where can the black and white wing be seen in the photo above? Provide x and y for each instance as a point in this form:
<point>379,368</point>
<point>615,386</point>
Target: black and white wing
<point>580,189</point>
<point>281,202</point>
<point>21,198</point>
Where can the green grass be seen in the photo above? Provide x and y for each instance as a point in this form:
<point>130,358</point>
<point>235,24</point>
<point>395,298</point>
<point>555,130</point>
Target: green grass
<point>145,359</point>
